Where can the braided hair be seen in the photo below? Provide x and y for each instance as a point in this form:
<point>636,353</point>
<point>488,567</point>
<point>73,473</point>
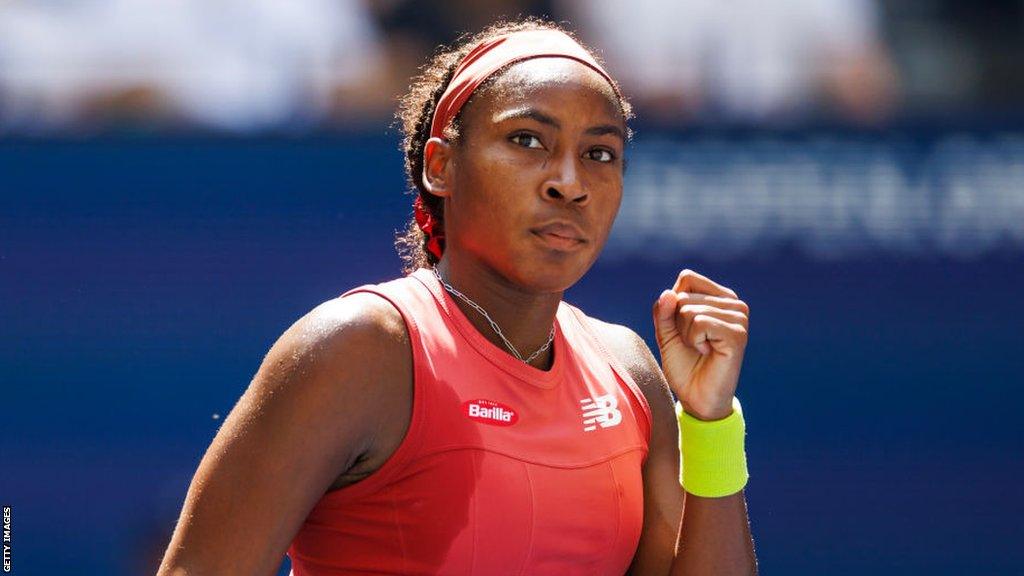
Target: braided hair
<point>416,111</point>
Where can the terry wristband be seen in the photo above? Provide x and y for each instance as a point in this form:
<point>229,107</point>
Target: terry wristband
<point>714,462</point>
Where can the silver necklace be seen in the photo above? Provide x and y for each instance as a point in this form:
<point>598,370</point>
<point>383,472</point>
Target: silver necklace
<point>494,325</point>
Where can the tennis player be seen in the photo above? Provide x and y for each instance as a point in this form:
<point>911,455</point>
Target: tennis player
<point>463,419</point>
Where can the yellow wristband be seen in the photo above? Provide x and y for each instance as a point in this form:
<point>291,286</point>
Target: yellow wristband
<point>714,462</point>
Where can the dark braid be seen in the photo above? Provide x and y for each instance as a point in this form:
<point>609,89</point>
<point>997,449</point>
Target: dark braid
<point>415,112</point>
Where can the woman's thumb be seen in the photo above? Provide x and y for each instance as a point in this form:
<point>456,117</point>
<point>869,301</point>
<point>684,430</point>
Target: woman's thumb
<point>665,315</point>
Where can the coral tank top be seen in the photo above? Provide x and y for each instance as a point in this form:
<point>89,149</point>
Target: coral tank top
<point>505,468</point>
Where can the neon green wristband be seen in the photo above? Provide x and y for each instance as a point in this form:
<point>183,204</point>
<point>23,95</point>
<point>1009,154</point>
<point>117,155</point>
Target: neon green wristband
<point>714,462</point>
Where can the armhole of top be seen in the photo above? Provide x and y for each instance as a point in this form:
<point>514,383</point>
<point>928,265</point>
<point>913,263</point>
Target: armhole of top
<point>410,444</point>
<point>619,369</point>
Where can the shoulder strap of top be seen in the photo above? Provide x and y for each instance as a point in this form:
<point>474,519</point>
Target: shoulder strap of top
<point>583,322</point>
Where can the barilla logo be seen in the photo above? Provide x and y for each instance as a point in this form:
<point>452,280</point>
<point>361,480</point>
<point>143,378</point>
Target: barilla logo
<point>490,412</point>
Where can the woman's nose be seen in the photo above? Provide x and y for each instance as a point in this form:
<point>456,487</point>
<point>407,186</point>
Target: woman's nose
<point>564,185</point>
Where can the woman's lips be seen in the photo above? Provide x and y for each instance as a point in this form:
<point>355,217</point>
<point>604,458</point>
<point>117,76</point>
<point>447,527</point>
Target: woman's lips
<point>558,241</point>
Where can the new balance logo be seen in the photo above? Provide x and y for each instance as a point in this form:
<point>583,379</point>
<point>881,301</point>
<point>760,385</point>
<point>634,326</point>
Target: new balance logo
<point>600,411</point>
<point>490,412</point>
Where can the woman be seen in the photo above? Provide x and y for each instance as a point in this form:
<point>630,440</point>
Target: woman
<point>463,419</point>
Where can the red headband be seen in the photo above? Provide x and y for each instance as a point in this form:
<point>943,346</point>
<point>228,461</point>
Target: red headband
<point>478,65</point>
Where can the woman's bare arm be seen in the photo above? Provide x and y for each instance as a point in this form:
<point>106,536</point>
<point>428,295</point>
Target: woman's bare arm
<point>314,406</point>
<point>714,536</point>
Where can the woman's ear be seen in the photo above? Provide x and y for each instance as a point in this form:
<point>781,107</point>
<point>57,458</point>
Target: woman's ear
<point>437,155</point>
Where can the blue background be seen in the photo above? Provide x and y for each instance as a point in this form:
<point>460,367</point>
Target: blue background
<point>142,280</point>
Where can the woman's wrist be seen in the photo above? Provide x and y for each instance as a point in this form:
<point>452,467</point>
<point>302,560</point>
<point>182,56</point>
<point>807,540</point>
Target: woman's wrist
<point>713,462</point>
<point>707,415</point>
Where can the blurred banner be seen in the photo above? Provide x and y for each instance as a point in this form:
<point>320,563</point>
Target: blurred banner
<point>829,195</point>
<point>142,280</point>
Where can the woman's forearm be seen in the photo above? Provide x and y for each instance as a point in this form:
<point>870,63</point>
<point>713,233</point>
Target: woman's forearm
<point>715,538</point>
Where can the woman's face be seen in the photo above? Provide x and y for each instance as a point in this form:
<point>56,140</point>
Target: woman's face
<point>536,176</point>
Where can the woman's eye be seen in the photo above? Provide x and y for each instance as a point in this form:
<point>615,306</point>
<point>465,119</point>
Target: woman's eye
<point>601,155</point>
<point>527,140</point>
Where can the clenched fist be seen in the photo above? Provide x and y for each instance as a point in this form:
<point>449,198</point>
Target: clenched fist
<point>701,327</point>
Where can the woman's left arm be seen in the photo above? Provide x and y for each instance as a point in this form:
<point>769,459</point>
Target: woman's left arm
<point>701,329</point>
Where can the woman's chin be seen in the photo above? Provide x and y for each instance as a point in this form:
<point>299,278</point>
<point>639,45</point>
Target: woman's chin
<point>554,274</point>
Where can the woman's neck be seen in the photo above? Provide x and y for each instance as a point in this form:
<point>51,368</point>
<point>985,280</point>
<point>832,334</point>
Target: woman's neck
<point>525,318</point>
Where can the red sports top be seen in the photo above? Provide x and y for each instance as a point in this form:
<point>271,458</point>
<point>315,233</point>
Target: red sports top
<point>505,468</point>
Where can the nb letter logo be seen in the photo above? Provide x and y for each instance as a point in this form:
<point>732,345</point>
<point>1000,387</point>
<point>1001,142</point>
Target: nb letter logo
<point>600,411</point>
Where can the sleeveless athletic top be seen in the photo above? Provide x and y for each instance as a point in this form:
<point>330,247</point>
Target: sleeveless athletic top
<point>505,468</point>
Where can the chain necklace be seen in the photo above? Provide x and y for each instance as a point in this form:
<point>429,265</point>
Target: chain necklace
<point>494,325</point>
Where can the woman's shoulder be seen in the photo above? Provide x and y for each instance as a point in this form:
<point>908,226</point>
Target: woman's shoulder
<point>630,349</point>
<point>341,367</point>
<point>343,346</point>
<point>364,325</point>
<point>623,343</point>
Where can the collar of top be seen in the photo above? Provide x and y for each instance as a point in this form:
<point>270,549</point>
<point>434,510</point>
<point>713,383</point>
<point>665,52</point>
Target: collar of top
<point>492,55</point>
